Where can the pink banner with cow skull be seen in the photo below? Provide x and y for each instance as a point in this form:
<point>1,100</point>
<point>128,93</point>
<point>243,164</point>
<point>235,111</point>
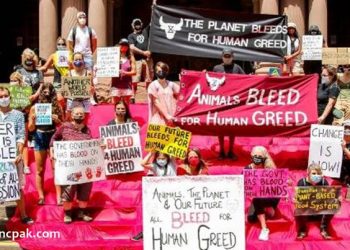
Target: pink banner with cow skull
<point>246,105</point>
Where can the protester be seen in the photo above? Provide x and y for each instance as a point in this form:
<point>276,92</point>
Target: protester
<point>42,137</point>
<point>343,101</point>
<point>260,208</point>
<point>193,164</point>
<point>78,70</point>
<point>227,66</point>
<point>138,41</point>
<point>328,92</point>
<point>59,70</point>
<point>122,85</point>
<point>17,118</point>
<point>345,169</point>
<point>293,49</point>
<point>74,131</point>
<point>16,79</point>
<point>162,96</point>
<point>314,66</point>
<point>314,178</point>
<point>122,113</point>
<point>83,39</point>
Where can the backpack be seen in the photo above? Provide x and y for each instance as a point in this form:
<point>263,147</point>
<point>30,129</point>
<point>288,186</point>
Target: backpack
<point>75,33</point>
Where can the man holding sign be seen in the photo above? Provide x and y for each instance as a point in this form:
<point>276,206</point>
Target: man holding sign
<point>13,135</point>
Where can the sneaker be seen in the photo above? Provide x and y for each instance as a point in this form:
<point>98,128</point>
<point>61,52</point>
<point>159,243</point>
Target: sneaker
<point>27,220</point>
<point>82,215</point>
<point>222,156</point>
<point>325,234</point>
<point>26,170</point>
<point>137,237</point>
<point>232,156</point>
<point>264,234</point>
<point>67,217</point>
<point>301,235</point>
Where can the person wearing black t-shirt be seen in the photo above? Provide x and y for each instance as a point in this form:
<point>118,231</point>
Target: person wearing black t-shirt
<point>228,66</point>
<point>314,178</point>
<point>138,41</point>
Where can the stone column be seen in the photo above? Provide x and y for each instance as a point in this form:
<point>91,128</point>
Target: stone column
<point>47,27</point>
<point>110,22</point>
<point>318,15</point>
<point>97,15</point>
<point>295,10</point>
<point>269,7</point>
<point>69,11</point>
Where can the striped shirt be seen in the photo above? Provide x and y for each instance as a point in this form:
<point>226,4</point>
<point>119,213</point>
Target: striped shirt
<point>17,118</point>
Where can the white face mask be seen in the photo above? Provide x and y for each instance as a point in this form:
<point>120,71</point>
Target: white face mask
<point>5,102</point>
<point>325,80</point>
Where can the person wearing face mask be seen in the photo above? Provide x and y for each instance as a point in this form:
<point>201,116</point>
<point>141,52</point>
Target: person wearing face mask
<point>293,50</point>
<point>193,164</point>
<point>76,130</point>
<point>83,39</point>
<point>17,118</point>
<point>229,67</point>
<point>162,97</point>
<point>42,137</point>
<point>59,69</point>
<point>327,94</point>
<point>122,113</point>
<point>345,169</point>
<point>122,85</point>
<point>260,208</point>
<point>78,70</point>
<point>314,178</point>
<point>138,41</point>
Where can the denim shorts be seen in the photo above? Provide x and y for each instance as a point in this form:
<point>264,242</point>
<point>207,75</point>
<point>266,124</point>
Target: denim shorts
<point>42,140</point>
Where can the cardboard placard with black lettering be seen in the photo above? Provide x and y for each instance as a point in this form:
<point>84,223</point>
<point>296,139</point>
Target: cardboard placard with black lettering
<point>313,200</point>
<point>168,140</point>
<point>123,153</point>
<point>266,182</point>
<point>193,212</point>
<point>9,183</point>
<point>43,114</point>
<point>312,48</point>
<point>76,87</point>
<point>8,146</point>
<point>325,148</point>
<point>108,62</point>
<point>78,162</point>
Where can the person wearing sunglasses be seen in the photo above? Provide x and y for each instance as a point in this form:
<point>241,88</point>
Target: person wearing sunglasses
<point>229,67</point>
<point>260,208</point>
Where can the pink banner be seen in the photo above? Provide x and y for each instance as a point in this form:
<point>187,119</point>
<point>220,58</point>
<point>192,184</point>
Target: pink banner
<point>266,182</point>
<point>247,105</point>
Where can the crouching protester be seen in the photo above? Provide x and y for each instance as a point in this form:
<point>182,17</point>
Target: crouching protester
<point>314,178</point>
<point>17,118</point>
<point>75,130</point>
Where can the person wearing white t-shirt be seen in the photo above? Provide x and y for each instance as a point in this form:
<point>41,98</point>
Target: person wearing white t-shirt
<point>83,39</point>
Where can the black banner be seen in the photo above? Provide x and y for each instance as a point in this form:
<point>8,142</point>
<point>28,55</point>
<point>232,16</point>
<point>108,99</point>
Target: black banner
<point>204,33</point>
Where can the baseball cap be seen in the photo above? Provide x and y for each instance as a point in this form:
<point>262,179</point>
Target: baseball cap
<point>314,28</point>
<point>292,25</point>
<point>123,41</point>
<point>227,51</point>
<point>136,21</point>
<point>81,14</point>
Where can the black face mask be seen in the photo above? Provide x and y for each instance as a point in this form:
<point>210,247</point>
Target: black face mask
<point>257,160</point>
<point>161,74</point>
<point>78,119</point>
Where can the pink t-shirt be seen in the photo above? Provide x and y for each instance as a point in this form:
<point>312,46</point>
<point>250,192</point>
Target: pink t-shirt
<point>165,97</point>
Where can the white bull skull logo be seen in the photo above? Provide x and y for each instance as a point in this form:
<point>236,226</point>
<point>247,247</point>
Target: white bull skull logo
<point>214,83</point>
<point>170,28</point>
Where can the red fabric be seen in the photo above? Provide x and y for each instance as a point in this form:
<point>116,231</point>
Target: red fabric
<point>116,204</point>
<point>266,113</point>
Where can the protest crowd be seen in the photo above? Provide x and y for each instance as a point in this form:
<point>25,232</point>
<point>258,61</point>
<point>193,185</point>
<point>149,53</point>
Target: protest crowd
<point>64,120</point>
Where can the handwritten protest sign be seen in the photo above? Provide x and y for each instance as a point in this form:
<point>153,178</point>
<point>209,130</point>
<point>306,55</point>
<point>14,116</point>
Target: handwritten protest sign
<point>123,153</point>
<point>78,162</point>
<point>62,58</point>
<point>342,56</point>
<point>76,87</point>
<point>317,200</point>
<point>312,47</point>
<point>193,212</point>
<point>108,62</point>
<point>329,56</point>
<point>8,148</point>
<point>325,148</point>
<point>266,182</point>
<point>171,141</point>
<point>43,113</point>
<point>19,96</point>
<point>9,190</point>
